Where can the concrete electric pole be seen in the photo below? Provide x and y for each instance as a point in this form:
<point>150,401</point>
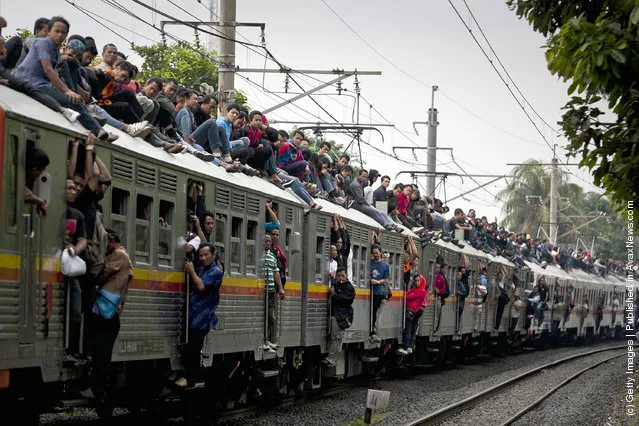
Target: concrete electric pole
<point>226,66</point>
<point>431,160</point>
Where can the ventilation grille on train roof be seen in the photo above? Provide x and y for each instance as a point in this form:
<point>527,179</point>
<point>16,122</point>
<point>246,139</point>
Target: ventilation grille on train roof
<point>122,168</point>
<point>146,175</point>
<point>168,182</point>
<point>253,206</point>
<point>238,202</point>
<point>222,197</point>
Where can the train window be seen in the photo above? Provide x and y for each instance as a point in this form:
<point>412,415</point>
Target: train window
<point>287,237</point>
<point>251,248</point>
<point>143,211</point>
<point>355,266</point>
<point>119,211</point>
<point>236,238</point>
<point>220,232</point>
<point>12,184</point>
<point>321,259</point>
<point>165,232</point>
<point>362,266</point>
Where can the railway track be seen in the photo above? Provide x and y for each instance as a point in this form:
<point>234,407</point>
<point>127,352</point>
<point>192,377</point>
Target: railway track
<point>456,410</point>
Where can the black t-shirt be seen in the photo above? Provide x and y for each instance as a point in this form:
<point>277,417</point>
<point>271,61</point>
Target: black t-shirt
<point>543,292</point>
<point>73,226</point>
<point>87,203</point>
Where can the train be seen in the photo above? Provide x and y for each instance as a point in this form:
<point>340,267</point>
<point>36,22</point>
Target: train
<point>33,318</point>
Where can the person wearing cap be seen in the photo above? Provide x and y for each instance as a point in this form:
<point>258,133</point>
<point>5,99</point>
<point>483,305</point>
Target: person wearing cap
<point>112,286</point>
<point>68,66</point>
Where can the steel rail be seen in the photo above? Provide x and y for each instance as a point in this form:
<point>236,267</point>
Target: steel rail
<point>442,414</point>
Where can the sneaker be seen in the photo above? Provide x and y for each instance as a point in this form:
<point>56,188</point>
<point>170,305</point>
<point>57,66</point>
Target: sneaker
<point>349,204</point>
<point>418,229</point>
<point>106,136</point>
<point>271,345</point>
<point>287,183</point>
<point>328,361</point>
<point>204,156</point>
<point>181,382</point>
<point>277,183</point>
<point>267,348</point>
<point>87,393</point>
<point>112,137</point>
<point>70,114</point>
<point>402,351</point>
<point>409,350</point>
<point>138,129</point>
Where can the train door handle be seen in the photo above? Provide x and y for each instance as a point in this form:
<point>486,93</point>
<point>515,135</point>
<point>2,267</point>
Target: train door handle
<point>28,232</point>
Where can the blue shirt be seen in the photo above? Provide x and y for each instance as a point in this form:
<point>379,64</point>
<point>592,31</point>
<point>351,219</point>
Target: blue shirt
<point>204,303</point>
<point>30,70</point>
<point>226,124</point>
<point>379,271</point>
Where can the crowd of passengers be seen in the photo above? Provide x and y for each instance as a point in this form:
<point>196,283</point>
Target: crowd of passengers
<point>181,121</point>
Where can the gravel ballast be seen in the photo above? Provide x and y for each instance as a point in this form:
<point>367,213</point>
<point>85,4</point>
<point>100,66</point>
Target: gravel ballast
<point>409,400</point>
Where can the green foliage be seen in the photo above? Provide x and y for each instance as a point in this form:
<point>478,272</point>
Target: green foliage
<point>527,206</point>
<point>595,45</point>
<point>23,33</point>
<point>184,61</point>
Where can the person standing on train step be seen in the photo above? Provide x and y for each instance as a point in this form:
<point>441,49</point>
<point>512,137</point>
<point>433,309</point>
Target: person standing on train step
<point>462,293</point>
<point>279,255</point>
<point>273,286</point>
<point>414,298</point>
<point>105,314</point>
<point>204,300</point>
<point>74,242</point>
<point>341,294</point>
<point>379,275</point>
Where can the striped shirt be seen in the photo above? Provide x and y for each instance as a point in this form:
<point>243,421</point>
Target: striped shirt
<point>269,269</point>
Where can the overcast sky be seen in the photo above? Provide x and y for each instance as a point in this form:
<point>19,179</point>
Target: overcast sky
<point>426,39</point>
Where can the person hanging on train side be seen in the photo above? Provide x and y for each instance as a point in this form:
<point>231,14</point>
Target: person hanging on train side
<point>503,290</point>
<point>74,242</point>
<point>442,290</point>
<point>36,161</point>
<point>341,295</point>
<point>279,255</point>
<point>379,276</point>
<point>342,241</point>
<point>112,285</point>
<point>461,292</point>
<point>532,302</point>
<point>544,293</point>
<point>414,298</point>
<point>274,290</point>
<point>558,309</point>
<point>204,300</point>
<point>481,293</point>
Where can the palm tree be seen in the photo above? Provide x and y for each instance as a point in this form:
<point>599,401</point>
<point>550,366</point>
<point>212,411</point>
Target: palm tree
<point>527,197</point>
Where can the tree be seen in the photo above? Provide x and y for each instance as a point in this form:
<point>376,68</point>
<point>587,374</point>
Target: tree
<point>595,45</point>
<point>184,61</point>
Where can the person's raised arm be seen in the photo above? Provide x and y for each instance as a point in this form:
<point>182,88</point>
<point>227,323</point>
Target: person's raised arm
<point>103,170</point>
<point>73,159</point>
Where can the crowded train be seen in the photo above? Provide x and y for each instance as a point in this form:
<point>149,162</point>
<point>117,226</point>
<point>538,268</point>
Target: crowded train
<point>151,250</point>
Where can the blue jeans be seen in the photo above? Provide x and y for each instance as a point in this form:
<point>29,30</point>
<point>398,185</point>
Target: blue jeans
<point>375,214</point>
<point>85,119</point>
<point>410,328</point>
<point>297,187</point>
<point>295,169</point>
<point>211,136</point>
<point>100,112</point>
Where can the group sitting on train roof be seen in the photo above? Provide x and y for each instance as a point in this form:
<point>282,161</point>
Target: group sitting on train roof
<point>178,120</point>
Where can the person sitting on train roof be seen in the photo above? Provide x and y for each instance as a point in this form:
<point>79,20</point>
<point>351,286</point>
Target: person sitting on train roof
<point>263,160</point>
<point>291,158</point>
<point>298,189</point>
<point>373,175</point>
<point>380,193</point>
<point>109,56</point>
<point>37,70</point>
<point>356,192</point>
<point>7,79</point>
<point>17,49</point>
<point>342,294</point>
<point>226,124</point>
<point>36,161</point>
<point>204,300</point>
<point>342,162</point>
<point>328,183</point>
<point>205,109</point>
<point>115,97</point>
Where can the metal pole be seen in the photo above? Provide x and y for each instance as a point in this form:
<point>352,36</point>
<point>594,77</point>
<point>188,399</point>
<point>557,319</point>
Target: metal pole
<point>226,66</point>
<point>553,201</point>
<point>432,144</point>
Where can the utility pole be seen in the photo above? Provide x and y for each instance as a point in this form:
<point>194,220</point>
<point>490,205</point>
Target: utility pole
<point>431,160</point>
<point>214,8</point>
<point>553,199</point>
<point>226,66</point>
